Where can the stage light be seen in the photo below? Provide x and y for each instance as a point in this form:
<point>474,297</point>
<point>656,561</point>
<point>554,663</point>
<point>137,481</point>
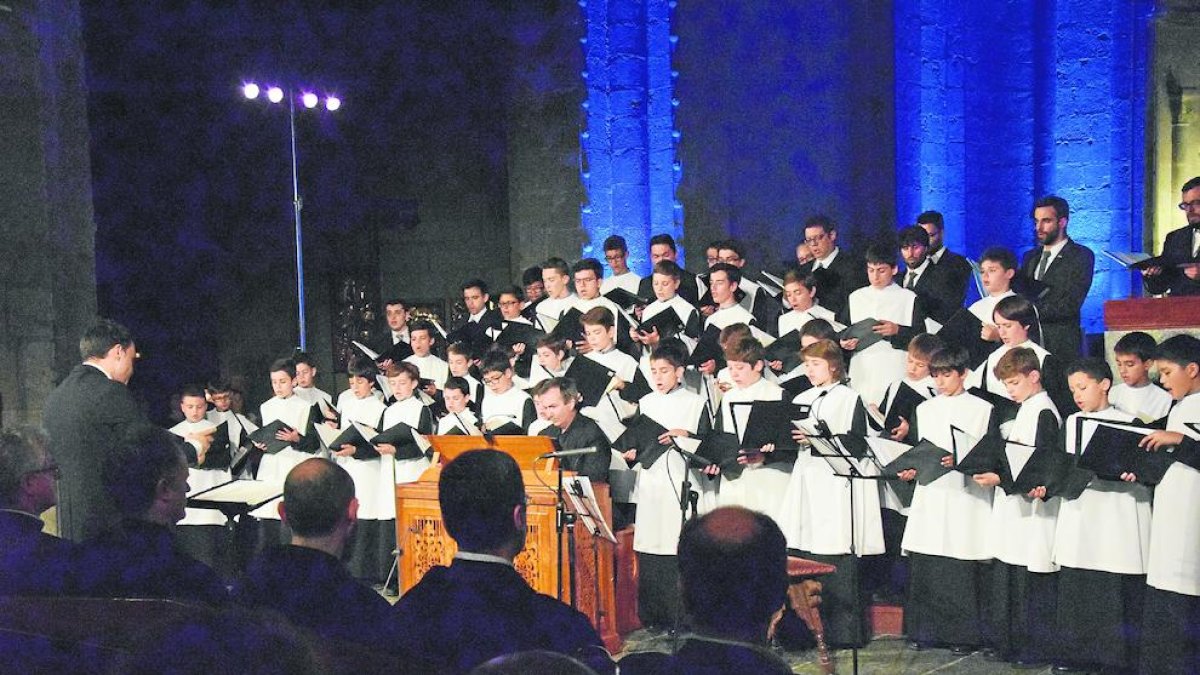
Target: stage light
<point>250,90</point>
<point>274,94</point>
<point>309,99</point>
<point>332,103</point>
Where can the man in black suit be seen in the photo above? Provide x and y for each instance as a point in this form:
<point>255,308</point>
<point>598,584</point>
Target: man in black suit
<point>1065,267</point>
<point>86,417</point>
<point>733,573</point>
<point>956,268</point>
<point>1181,275</point>
<point>934,284</point>
<point>479,607</point>
<point>662,247</point>
<point>31,561</point>
<point>306,581</point>
<point>838,273</point>
<point>558,398</point>
<point>480,317</point>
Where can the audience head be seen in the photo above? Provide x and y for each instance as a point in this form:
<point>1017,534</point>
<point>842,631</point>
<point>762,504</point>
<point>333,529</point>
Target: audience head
<point>934,225</point>
<point>536,661</point>
<point>820,234</point>
<point>1050,217</point>
<point>109,345</point>
<point>318,502</point>
<point>28,474</point>
<point>147,476</point>
<point>482,497</point>
<point>733,572</point>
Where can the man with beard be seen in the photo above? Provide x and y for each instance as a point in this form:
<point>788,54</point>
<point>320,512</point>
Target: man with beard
<point>956,268</point>
<point>935,285</point>
<point>1181,250</point>
<point>1065,267</point>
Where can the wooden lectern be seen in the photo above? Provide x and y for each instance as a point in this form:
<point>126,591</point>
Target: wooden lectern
<point>424,542</point>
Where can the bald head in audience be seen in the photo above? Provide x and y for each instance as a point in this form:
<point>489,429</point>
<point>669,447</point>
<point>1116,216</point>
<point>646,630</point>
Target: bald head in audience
<point>733,570</point>
<point>319,505</point>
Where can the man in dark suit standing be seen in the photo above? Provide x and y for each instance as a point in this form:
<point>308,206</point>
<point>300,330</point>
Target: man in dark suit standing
<point>955,268</point>
<point>838,273</point>
<point>559,399</point>
<point>1065,267</point>
<point>480,317</point>
<point>662,247</point>
<point>1181,274</point>
<point>934,285</point>
<point>87,416</point>
<point>479,607</point>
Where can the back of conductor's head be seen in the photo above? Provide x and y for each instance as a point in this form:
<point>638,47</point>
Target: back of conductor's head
<point>733,570</point>
<point>318,497</point>
<point>482,496</point>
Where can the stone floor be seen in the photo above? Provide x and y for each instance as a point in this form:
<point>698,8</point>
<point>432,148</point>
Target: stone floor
<point>883,656</point>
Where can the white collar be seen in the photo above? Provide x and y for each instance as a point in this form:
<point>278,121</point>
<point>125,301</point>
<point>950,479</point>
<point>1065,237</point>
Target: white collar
<point>936,256</point>
<point>483,558</point>
<point>98,367</point>
<point>919,269</point>
<point>827,260</point>
<point>1056,249</point>
<point>474,318</point>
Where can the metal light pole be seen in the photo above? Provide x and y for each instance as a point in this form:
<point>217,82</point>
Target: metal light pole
<point>275,95</point>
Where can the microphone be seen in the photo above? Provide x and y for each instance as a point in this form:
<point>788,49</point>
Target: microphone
<point>567,453</point>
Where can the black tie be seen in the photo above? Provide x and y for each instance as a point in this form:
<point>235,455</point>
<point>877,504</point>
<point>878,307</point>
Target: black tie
<point>911,281</point>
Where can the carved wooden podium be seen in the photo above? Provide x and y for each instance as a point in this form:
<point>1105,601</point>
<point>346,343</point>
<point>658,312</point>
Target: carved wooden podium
<point>424,542</point>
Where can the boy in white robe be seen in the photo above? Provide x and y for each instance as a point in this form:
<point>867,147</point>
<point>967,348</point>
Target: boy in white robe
<point>220,393</point>
<point>1017,325</point>
<point>723,280</point>
<point>429,365</point>
<point>306,381</point>
<point>819,516</point>
<point>504,402</point>
<point>1022,616</point>
<point>898,318</point>
<point>458,418</point>
<point>1171,622</point>
<point>660,475</point>
<point>1136,394</point>
<point>997,267</point>
<point>369,553</point>
<point>298,414</point>
<point>946,536</point>
<point>800,292</point>
<point>1101,545</point>
<point>599,330</point>
<point>201,530</point>
<point>407,408</point>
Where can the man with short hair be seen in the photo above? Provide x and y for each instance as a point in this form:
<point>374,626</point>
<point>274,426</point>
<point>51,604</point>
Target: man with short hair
<point>616,254</point>
<point>754,299</point>
<point>1066,269</point>
<point>306,580</point>
<point>474,333</point>
<point>934,284</point>
<point>558,400</point>
<point>396,314</point>
<point>479,607</point>
<point>86,416</point>
<point>1181,274</point>
<point>147,479</point>
<point>723,281</point>
<point>956,268</point>
<point>838,273</point>
<point>556,278</point>
<point>733,573</point>
<point>662,247</point>
<point>31,561</point>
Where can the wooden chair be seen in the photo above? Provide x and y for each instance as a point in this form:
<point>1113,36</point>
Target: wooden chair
<point>804,596</point>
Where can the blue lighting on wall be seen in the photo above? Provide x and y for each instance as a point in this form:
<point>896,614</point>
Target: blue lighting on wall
<point>627,137</point>
<point>1000,103</point>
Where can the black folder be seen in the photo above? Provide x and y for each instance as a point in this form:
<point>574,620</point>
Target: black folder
<point>517,333</point>
<point>708,349</point>
<point>569,326</point>
<point>352,435</point>
<point>797,385</point>
<point>401,436</point>
<point>787,350</point>
<point>1003,409</point>
<point>902,404</point>
<point>266,436</point>
<point>1113,450</point>
<point>768,422</point>
<point>219,454</point>
<point>723,449</point>
<point>591,378</point>
<point>863,331</point>
<point>986,455</point>
<point>1026,468</point>
<point>926,458</point>
<point>626,300</point>
<point>963,329</point>
<point>502,425</point>
<point>667,322</point>
<point>641,434</point>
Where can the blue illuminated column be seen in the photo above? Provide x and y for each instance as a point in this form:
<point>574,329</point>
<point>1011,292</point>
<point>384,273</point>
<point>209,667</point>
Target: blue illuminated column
<point>1000,103</point>
<point>627,144</point>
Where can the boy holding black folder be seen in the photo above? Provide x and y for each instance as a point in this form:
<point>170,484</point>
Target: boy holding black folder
<point>220,393</point>
<point>816,514</point>
<point>204,536</point>
<point>901,398</point>
<point>458,420</point>
<point>1171,622</point>
<point>1101,544</point>
<point>946,537</point>
<point>1135,393</point>
<point>1023,609</point>
<point>407,409</point>
<point>296,418</point>
<point>665,282</point>
<point>369,550</point>
<point>800,291</point>
<point>661,472</point>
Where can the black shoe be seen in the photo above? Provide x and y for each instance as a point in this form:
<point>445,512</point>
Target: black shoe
<point>962,650</point>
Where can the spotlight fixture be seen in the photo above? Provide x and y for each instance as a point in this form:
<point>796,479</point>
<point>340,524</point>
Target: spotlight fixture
<point>332,103</point>
<point>309,99</point>
<point>250,90</point>
<point>274,94</point>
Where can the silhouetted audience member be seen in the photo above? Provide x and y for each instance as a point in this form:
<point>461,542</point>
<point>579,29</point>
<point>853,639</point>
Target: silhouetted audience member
<point>537,661</point>
<point>479,607</point>
<point>146,477</point>
<point>306,580</point>
<point>31,561</point>
<point>733,570</point>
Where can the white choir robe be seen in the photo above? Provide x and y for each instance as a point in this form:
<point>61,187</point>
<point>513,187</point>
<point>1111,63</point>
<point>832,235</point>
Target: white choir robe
<point>796,320</point>
<point>313,395</point>
<point>585,305</point>
<point>628,281</point>
<point>611,408</point>
<point>873,368</point>
<point>816,508</point>
<point>1023,528</point>
<point>984,308</point>
<point>1175,526</point>
<point>513,405</point>
<point>727,316</point>
<point>759,488</point>
<point>950,516</point>
<point>237,424</point>
<point>1150,401</point>
<point>550,310</point>
<point>366,473</point>
<point>686,313</point>
<point>927,389</point>
<point>294,412</point>
<point>1107,528</point>
<point>538,374</point>
<point>985,378</point>
<point>411,412</point>
<point>658,514</point>
<point>462,421</point>
<point>201,479</point>
<point>431,368</point>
